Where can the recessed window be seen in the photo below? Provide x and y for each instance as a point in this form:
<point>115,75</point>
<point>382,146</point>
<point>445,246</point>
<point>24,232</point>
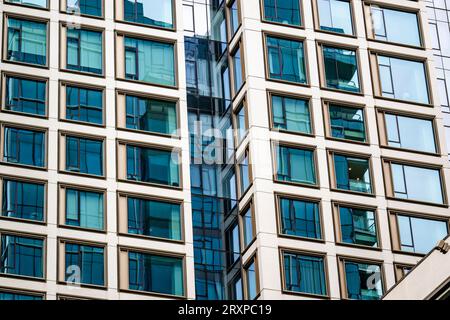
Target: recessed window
<point>235,291</point>
<point>241,122</point>
<point>19,295</point>
<point>233,246</point>
<point>413,182</point>
<point>229,190</point>
<point>149,12</point>
<point>83,263</point>
<point>295,165</point>
<point>283,11</point>
<point>245,177</point>
<point>362,280</point>
<point>148,61</point>
<point>85,7</point>
<point>24,147</point>
<point>154,218</point>
<point>291,114</point>
<point>23,199</point>
<point>84,208</point>
<point>352,173</point>
<point>25,95</point>
<point>84,155</point>
<point>83,104</point>
<point>304,273</point>
<point>401,79</point>
<point>235,19</point>
<point>300,218</point>
<point>357,225</point>
<point>335,16</point>
<point>346,123</point>
<point>251,279</point>
<point>238,70</point>
<point>340,69</point>
<point>248,229</point>
<point>26,41</point>
<point>84,50</point>
<point>30,3</point>
<point>393,25</point>
<point>22,256</point>
<point>285,60</point>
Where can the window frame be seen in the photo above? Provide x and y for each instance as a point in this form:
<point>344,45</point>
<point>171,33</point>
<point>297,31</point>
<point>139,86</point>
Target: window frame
<point>228,17</point>
<point>119,93</point>
<point>61,261</point>
<point>63,9</point>
<point>239,46</point>
<point>34,293</point>
<point>294,197</point>
<point>62,141</point>
<point>250,205</point>
<point>316,20</point>
<point>46,8</point>
<point>327,120</point>
<point>382,129</point>
<point>22,76</point>
<point>399,272</point>
<point>314,254</point>
<point>335,206</point>
<point>245,154</point>
<point>237,108</point>
<point>394,231</point>
<point>6,16</point>
<point>302,16</point>
<point>321,65</point>
<point>245,266</point>
<point>26,180</point>
<point>386,163</point>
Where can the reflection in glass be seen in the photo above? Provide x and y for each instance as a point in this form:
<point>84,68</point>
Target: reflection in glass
<point>341,69</point>
<point>363,281</point>
<point>291,114</point>
<point>335,16</point>
<point>300,218</point>
<point>149,12</point>
<point>283,11</point>
<point>358,226</point>
<point>352,174</point>
<point>295,165</point>
<point>347,123</point>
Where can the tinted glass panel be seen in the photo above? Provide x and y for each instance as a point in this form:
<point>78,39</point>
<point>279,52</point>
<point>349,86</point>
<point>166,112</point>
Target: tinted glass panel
<point>23,146</point>
<point>252,281</point>
<point>286,60</point>
<point>84,155</point>
<point>247,223</point>
<point>244,171</point>
<point>238,74</point>
<point>300,218</point>
<point>233,246</point>
<point>89,7</point>
<point>335,16</point>
<point>33,3</point>
<point>85,264</point>
<point>234,17</point>
<point>363,281</point>
<point>84,50</point>
<point>347,123</point>
<point>283,11</point>
<point>5,295</point>
<point>291,114</point>
<point>24,200</point>
<point>304,274</point>
<point>341,69</point>
<point>358,226</point>
<point>25,95</point>
<point>154,218</point>
<point>85,105</point>
<point>84,209</point>
<point>153,273</point>
<point>352,174</point>
<point>295,165</point>
<point>150,12</point>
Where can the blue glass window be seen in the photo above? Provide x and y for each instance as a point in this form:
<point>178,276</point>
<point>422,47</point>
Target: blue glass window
<point>363,281</point>
<point>153,166</point>
<point>27,41</point>
<point>149,12</point>
<point>31,3</point>
<point>23,200</point>
<point>150,61</point>
<point>22,256</point>
<point>335,16</point>
<point>352,173</point>
<point>347,123</point>
<point>304,274</point>
<point>286,60</point>
<point>233,245</point>
<point>89,260</point>
<point>234,17</point>
<point>291,114</point>
<point>12,295</point>
<point>358,226</point>
<point>153,273</point>
<point>252,281</point>
<point>300,218</point>
<point>84,209</point>
<point>341,69</point>
<point>154,218</point>
<point>85,50</point>
<point>247,226</point>
<point>295,165</point>
<point>24,146</point>
<point>25,95</point>
<point>151,115</point>
<point>283,11</point>
<point>87,7</point>
<point>244,174</point>
<point>84,105</point>
<point>237,70</point>
<point>84,155</point>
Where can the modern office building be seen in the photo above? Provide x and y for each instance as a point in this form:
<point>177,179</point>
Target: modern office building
<point>217,149</point>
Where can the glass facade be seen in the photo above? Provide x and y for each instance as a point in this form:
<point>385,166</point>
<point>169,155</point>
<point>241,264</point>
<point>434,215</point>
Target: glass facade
<point>25,95</point>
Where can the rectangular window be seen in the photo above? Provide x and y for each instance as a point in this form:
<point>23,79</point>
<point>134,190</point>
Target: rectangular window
<point>84,7</point>
<point>335,16</point>
<point>413,182</point>
<point>154,273</point>
<point>154,218</point>
<point>238,69</point>
<point>234,17</point>
<point>22,256</point>
<point>247,226</point>
<point>84,155</point>
<point>362,280</point>
<point>149,12</point>
<point>400,79</point>
<point>295,165</point>
<point>30,3</point>
<point>393,25</point>
<point>152,165</point>
<point>245,176</point>
<point>23,146</point>
<point>346,122</point>
<point>19,295</point>
<point>26,41</point>
<point>84,208</point>
<point>25,95</point>
<point>304,273</point>
<point>23,199</point>
<point>84,50</point>
<point>83,104</point>
<point>149,61</point>
<point>233,246</point>
<point>251,279</point>
<point>282,11</point>
<point>84,264</point>
<point>300,218</point>
<point>241,122</point>
<point>148,114</point>
<point>291,114</point>
<point>340,68</point>
<point>352,173</point>
<point>235,291</point>
<point>356,225</point>
<point>285,60</point>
